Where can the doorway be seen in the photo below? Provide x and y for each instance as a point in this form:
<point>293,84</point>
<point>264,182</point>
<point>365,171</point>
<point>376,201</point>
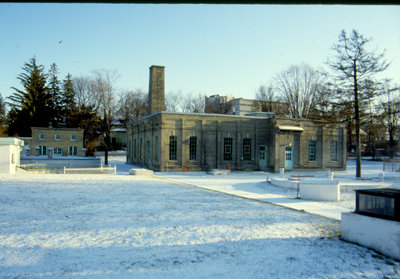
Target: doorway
<point>262,158</point>
<point>288,158</point>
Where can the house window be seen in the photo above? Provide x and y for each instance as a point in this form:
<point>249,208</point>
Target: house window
<point>72,151</point>
<point>57,151</point>
<point>247,149</point>
<point>172,147</point>
<point>57,137</point>
<point>192,148</point>
<point>73,137</point>
<point>227,149</point>
<point>312,150</point>
<point>42,137</point>
<point>42,150</point>
<point>333,150</point>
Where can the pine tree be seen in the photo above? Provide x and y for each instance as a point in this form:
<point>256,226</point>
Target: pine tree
<point>30,106</point>
<point>55,92</point>
<point>68,94</point>
<point>2,116</point>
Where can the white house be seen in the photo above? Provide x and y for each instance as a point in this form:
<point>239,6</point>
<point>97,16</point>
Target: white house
<point>10,154</point>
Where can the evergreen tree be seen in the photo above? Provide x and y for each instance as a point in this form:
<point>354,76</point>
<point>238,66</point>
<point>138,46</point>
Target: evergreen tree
<point>55,92</point>
<point>2,116</point>
<point>68,94</point>
<point>30,106</point>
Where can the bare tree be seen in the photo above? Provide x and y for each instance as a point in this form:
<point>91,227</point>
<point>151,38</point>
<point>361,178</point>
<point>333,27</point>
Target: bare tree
<point>173,101</point>
<point>352,64</point>
<point>133,104</point>
<point>268,101</point>
<point>104,88</point>
<point>390,107</point>
<point>299,86</point>
<point>84,92</point>
<point>193,103</point>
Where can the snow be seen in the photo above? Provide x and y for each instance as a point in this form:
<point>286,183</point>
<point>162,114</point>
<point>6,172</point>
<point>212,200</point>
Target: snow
<point>178,225</point>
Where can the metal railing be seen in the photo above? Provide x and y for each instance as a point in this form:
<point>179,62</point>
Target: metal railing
<point>99,170</point>
<point>391,165</point>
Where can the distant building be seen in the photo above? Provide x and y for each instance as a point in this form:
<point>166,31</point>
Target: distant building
<point>240,106</point>
<point>55,142</point>
<point>165,141</point>
<point>118,135</point>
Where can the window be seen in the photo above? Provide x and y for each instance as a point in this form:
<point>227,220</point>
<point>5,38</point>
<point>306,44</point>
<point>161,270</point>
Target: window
<point>73,137</point>
<point>72,151</point>
<point>172,148</point>
<point>333,150</point>
<point>247,149</point>
<point>157,150</point>
<point>227,149</point>
<point>57,137</point>
<point>288,153</point>
<point>193,148</point>
<point>42,137</point>
<point>312,150</point>
<point>57,151</point>
<point>148,150</point>
<point>42,150</point>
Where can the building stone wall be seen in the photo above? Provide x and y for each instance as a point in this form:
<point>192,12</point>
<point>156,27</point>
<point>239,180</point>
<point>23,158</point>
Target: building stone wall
<point>165,141</point>
<point>56,138</point>
<point>149,142</point>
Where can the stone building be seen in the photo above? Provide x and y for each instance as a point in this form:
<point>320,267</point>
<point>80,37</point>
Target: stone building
<point>55,142</point>
<point>165,141</point>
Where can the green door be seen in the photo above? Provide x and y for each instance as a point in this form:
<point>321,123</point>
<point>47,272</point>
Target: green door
<point>288,158</point>
<point>262,157</point>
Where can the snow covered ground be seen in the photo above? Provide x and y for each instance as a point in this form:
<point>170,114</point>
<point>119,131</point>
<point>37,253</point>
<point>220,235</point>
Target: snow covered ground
<point>167,226</point>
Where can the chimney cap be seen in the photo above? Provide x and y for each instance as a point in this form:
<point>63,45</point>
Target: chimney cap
<point>158,66</point>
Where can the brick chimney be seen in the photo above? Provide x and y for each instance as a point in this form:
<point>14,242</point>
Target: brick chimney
<point>156,90</point>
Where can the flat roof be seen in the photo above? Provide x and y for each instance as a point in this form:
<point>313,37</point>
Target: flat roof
<point>11,141</point>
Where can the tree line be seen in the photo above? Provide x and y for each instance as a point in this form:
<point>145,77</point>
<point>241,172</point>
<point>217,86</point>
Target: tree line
<point>346,92</point>
<point>92,102</point>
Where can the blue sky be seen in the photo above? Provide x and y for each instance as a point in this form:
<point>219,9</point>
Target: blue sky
<point>209,49</point>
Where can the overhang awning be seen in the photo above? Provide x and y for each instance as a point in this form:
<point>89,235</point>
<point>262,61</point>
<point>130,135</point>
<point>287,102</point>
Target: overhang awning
<point>290,128</point>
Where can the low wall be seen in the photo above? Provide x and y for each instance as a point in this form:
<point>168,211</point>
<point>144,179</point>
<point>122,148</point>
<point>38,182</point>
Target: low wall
<point>311,189</point>
<point>379,234</point>
<point>79,162</point>
<point>320,190</point>
<point>284,182</point>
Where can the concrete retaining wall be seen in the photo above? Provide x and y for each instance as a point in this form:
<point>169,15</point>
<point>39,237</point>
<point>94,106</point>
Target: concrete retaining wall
<point>379,234</point>
<point>327,190</point>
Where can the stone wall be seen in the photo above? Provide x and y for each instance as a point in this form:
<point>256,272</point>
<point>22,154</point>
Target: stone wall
<point>149,142</point>
<point>56,138</point>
